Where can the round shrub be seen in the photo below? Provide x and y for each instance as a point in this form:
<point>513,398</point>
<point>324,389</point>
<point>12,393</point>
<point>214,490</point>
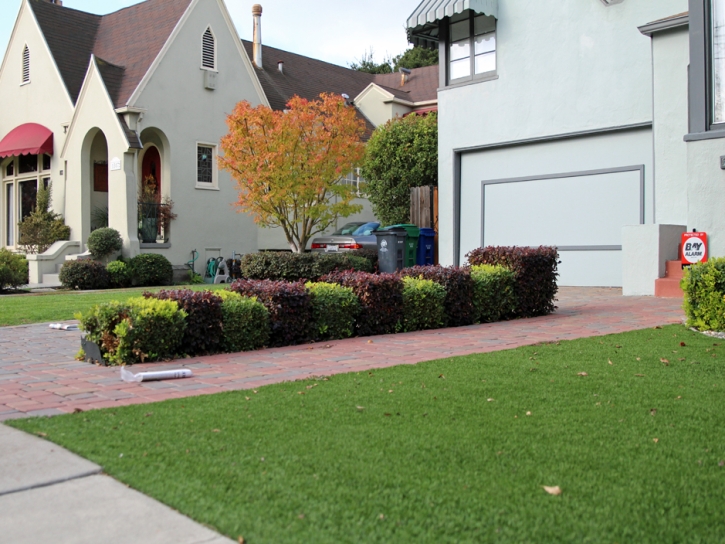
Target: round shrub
<point>13,270</point>
<point>150,269</point>
<point>103,242</point>
<point>334,309</point>
<point>84,275</point>
<point>246,323</point>
<point>704,287</point>
<point>118,274</point>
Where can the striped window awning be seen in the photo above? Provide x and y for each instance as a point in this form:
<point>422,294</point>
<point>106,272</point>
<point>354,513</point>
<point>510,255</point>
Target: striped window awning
<point>423,23</point>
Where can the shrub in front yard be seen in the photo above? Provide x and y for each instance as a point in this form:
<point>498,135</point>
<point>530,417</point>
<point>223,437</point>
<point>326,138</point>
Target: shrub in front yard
<point>704,288</point>
<point>284,266</point>
<point>334,309</point>
<point>245,321</point>
<point>118,274</point>
<point>137,331</point>
<point>203,320</point>
<point>104,241</point>
<point>423,303</point>
<point>326,263</point>
<point>370,254</point>
<point>84,275</point>
<point>536,274</point>
<point>459,291</point>
<point>150,269</point>
<point>13,270</point>
<point>380,296</point>
<point>493,288</point>
<point>289,306</point>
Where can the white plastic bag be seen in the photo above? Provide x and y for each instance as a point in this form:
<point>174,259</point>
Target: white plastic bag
<point>64,327</point>
<point>130,377</point>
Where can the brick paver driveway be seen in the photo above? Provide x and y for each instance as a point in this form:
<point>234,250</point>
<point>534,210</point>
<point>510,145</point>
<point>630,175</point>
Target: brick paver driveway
<point>38,375</point>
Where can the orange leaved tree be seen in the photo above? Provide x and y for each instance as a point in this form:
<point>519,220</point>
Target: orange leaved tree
<point>288,165</point>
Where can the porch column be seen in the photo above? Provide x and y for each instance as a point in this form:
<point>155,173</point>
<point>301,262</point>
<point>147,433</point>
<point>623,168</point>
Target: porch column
<point>123,201</point>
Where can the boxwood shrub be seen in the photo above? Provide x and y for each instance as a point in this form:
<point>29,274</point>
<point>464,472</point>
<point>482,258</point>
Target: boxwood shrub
<point>704,288</point>
<point>334,310</point>
<point>104,241</point>
<point>380,296</point>
<point>285,266</point>
<point>13,270</point>
<point>493,288</point>
<point>459,291</point>
<point>138,331</point>
<point>203,320</point>
<point>246,323</point>
<point>423,304</point>
<point>289,306</point>
<point>535,270</point>
<point>118,274</point>
<point>150,269</point>
<point>84,275</point>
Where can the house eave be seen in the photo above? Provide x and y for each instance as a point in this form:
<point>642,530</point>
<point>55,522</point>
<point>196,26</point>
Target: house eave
<point>668,24</point>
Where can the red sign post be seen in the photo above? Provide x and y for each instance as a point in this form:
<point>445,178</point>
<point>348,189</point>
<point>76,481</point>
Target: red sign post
<point>694,248</point>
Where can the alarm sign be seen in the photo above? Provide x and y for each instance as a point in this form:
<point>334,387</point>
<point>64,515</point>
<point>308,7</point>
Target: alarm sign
<point>694,247</point>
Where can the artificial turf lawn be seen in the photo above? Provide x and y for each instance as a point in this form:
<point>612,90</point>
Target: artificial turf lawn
<point>443,451</point>
<point>61,305</point>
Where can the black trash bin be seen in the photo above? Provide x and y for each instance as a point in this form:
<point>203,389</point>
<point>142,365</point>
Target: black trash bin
<point>391,249</point>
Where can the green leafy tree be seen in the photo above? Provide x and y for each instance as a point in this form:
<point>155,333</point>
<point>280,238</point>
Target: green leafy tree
<point>367,63</point>
<point>42,228</point>
<point>415,57</point>
<point>401,154</point>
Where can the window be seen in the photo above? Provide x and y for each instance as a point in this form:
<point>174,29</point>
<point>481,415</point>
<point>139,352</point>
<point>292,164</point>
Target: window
<point>26,65</point>
<point>208,50</point>
<point>471,47</point>
<point>206,166</point>
<point>718,60</point>
<point>22,179</point>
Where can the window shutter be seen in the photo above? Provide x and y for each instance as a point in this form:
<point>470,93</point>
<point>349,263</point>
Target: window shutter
<point>208,53</point>
<point>26,65</point>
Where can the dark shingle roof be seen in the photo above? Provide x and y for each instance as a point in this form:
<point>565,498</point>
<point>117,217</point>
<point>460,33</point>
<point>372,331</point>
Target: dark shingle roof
<point>129,40</point>
<point>421,85</point>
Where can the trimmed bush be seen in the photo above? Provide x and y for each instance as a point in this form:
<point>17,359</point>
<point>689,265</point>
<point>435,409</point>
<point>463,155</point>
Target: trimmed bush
<point>370,254</point>
<point>138,331</point>
<point>203,319</point>
<point>283,266</point>
<point>704,287</point>
<point>380,296</point>
<point>334,309</point>
<point>459,291</point>
<point>535,270</point>
<point>104,241</point>
<point>246,324</point>
<point>118,274</point>
<point>289,306</point>
<point>493,288</point>
<point>150,269</point>
<point>84,275</point>
<point>423,304</point>
<point>13,270</point>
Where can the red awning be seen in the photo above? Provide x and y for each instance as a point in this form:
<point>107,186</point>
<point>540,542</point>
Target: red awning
<point>28,139</point>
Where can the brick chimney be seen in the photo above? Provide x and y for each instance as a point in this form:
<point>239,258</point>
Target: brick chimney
<point>257,39</point>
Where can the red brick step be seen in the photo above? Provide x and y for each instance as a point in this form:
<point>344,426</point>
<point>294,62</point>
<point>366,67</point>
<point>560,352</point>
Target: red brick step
<point>669,286</point>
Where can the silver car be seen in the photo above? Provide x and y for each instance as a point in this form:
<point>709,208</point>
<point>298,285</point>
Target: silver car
<point>352,236</point>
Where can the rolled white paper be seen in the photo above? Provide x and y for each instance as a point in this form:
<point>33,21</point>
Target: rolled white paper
<point>127,376</point>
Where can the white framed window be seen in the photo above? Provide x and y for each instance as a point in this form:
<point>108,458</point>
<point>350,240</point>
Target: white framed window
<point>206,166</point>
<point>208,50</point>
<point>471,47</point>
<point>717,31</point>
<point>21,178</point>
<point>26,65</point>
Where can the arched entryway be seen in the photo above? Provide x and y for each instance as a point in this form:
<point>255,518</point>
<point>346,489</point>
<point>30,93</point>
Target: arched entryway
<point>99,181</point>
<point>151,171</point>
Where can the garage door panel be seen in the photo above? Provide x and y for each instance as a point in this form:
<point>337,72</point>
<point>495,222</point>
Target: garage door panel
<point>572,210</point>
<point>586,268</point>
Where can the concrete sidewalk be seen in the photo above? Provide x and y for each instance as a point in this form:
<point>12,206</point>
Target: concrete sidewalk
<point>48,494</point>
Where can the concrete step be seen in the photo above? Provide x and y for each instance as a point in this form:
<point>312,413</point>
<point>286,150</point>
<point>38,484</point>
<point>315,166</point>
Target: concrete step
<point>668,288</point>
<point>51,279</point>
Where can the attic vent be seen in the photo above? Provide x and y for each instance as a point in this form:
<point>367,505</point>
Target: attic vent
<point>26,65</point>
<point>208,50</point>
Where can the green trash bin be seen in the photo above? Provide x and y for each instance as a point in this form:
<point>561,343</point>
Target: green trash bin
<point>411,243</point>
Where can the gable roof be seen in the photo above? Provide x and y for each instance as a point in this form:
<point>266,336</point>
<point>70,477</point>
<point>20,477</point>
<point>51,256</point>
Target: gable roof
<point>420,86</point>
<point>126,41</point>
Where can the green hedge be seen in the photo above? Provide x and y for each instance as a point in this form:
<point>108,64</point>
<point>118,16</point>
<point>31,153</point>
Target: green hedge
<point>285,266</point>
<point>245,323</point>
<point>118,274</point>
<point>423,304</point>
<point>334,310</point>
<point>704,288</point>
<point>493,292</point>
<point>84,275</point>
<point>150,269</point>
<point>13,270</point>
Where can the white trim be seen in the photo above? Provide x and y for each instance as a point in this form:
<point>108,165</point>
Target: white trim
<point>215,68</point>
<point>12,36</point>
<point>214,185</point>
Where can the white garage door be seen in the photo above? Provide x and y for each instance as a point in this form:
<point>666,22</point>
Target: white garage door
<point>581,213</point>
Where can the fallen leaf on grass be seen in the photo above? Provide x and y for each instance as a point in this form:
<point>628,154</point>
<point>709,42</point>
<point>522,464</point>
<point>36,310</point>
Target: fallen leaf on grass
<point>682,344</point>
<point>640,375</point>
<point>665,361</point>
<point>247,398</point>
<point>610,361</point>
<point>241,540</point>
<point>583,374</point>
<point>41,434</point>
<point>721,464</point>
<point>442,376</point>
<point>678,398</point>
<point>360,408</point>
<point>658,327</point>
<point>655,440</point>
<point>489,400</point>
<point>556,490</point>
<point>77,411</point>
<point>528,413</point>
<point>653,411</point>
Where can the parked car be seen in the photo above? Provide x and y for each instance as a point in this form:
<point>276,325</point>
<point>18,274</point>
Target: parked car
<point>352,236</point>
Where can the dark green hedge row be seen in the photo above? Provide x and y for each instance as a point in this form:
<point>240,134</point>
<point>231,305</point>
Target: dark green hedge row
<point>145,270</point>
<point>285,266</point>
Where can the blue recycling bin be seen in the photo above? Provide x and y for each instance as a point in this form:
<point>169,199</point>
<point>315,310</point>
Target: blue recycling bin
<point>426,247</point>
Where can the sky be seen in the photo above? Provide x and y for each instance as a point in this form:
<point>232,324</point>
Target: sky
<point>331,30</point>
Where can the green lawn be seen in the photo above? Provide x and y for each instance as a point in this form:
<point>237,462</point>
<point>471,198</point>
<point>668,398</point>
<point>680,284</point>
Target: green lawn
<point>454,450</point>
<point>61,305</point>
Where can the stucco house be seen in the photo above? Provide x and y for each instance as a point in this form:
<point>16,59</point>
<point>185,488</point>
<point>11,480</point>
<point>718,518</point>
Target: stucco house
<point>574,124</point>
<point>98,104</point>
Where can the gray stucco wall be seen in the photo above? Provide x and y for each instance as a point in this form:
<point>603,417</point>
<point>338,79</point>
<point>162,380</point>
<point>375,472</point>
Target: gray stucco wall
<point>706,192</point>
<point>563,67</point>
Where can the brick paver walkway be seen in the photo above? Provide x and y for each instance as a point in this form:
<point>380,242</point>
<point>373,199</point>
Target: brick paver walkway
<point>38,375</point>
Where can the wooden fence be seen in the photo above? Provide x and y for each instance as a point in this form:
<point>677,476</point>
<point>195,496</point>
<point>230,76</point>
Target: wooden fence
<point>424,210</point>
